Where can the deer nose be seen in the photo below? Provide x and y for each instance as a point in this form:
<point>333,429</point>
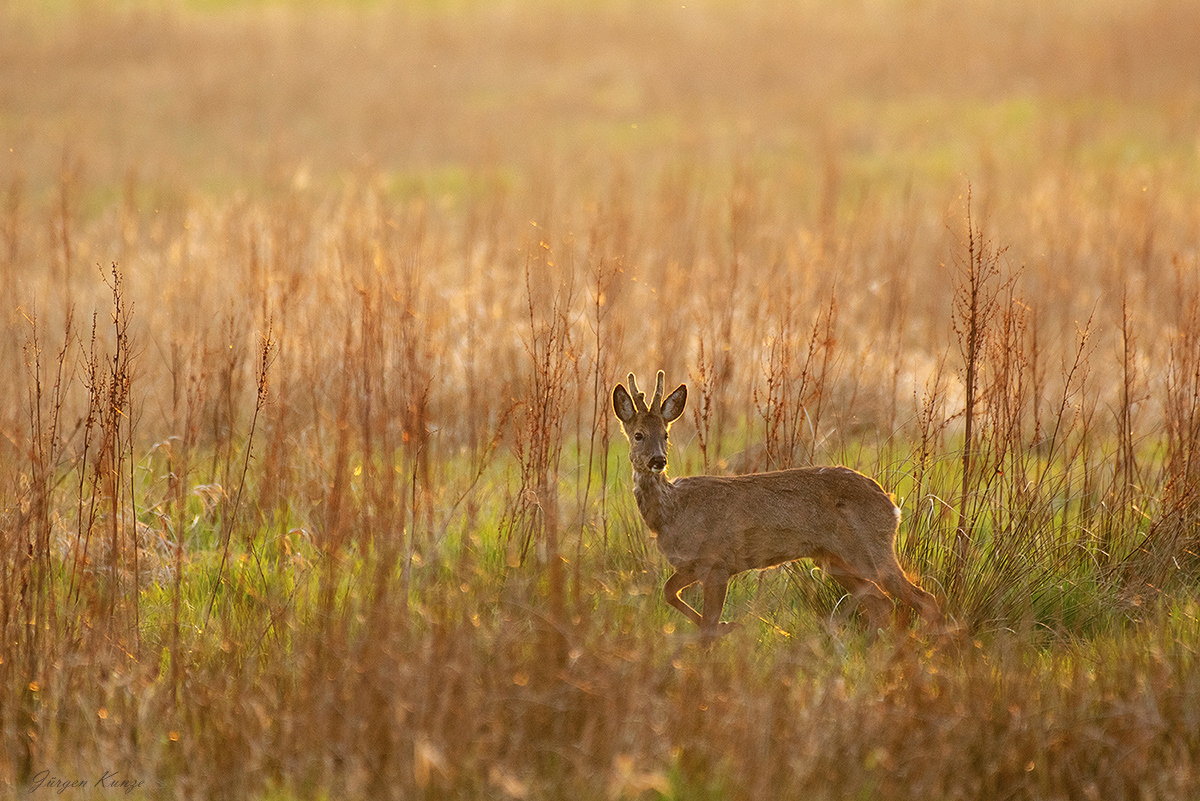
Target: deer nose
<point>658,463</point>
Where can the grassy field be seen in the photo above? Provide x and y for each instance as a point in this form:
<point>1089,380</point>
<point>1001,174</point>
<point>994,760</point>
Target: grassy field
<point>310,486</point>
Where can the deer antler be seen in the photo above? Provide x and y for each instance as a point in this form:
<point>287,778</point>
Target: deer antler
<point>656,404</point>
<point>639,397</point>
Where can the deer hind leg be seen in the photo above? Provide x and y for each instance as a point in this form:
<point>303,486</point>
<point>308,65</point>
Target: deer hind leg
<point>892,578</point>
<point>677,583</point>
<point>863,592</point>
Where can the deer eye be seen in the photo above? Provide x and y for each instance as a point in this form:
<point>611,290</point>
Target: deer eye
<point>638,437</point>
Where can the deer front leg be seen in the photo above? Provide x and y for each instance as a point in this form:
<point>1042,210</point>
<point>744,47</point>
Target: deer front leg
<point>716,584</point>
<point>677,583</point>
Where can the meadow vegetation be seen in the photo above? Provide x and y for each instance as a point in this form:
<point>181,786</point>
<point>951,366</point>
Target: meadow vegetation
<point>309,484</point>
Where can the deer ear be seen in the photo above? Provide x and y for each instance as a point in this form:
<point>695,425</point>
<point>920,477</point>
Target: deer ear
<point>672,407</point>
<point>622,404</point>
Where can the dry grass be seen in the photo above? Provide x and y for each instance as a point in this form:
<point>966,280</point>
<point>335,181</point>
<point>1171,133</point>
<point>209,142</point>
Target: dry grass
<point>311,316</point>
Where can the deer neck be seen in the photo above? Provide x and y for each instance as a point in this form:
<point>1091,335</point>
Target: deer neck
<point>655,496</point>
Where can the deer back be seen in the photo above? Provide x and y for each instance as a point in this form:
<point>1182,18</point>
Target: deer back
<point>764,519</point>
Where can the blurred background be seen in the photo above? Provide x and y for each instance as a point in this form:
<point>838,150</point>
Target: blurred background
<point>310,312</point>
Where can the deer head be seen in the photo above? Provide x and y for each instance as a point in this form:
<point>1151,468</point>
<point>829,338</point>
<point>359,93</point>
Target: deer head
<point>646,426</point>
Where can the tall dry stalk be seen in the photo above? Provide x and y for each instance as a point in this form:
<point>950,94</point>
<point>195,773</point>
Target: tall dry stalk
<point>534,520</point>
<point>724,356</point>
<point>31,615</point>
<point>230,522</point>
<point>976,304</point>
<point>796,387</point>
<point>187,396</point>
<point>108,482</point>
<point>1126,474</point>
<point>1170,546</point>
<point>703,377</point>
<point>606,341</point>
<point>69,179</point>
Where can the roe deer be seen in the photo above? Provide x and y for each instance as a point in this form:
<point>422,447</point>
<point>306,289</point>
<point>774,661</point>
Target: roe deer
<point>713,527</point>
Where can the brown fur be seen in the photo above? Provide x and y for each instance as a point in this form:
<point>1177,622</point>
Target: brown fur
<point>711,528</point>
